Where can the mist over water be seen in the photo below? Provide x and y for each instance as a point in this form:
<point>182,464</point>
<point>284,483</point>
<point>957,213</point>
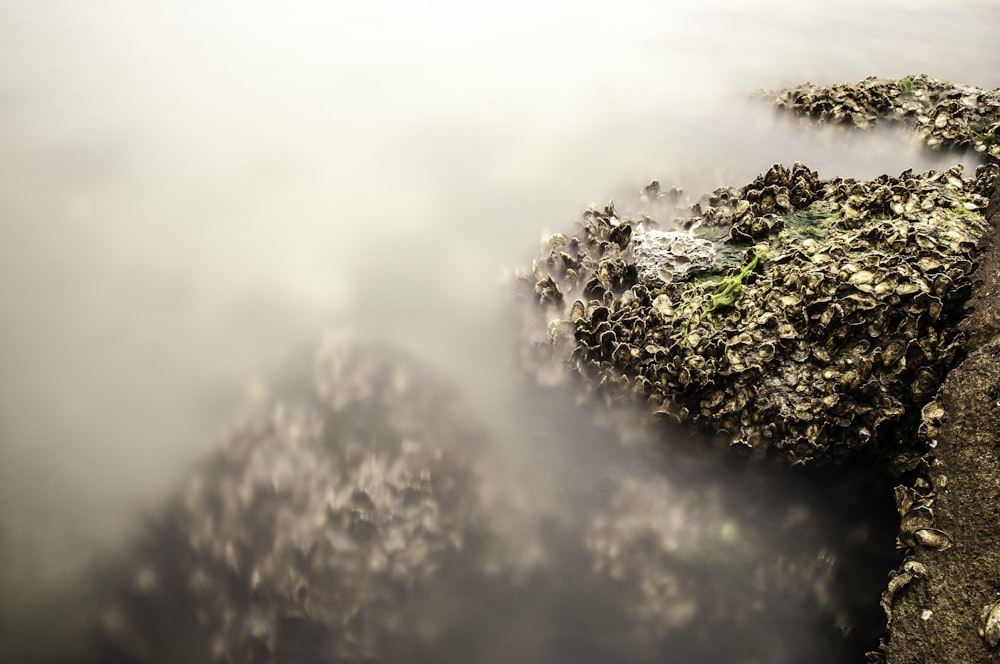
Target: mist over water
<point>191,192</point>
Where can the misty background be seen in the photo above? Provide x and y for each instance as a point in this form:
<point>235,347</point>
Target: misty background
<point>192,191</point>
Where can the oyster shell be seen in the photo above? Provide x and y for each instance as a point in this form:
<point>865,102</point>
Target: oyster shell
<point>990,624</point>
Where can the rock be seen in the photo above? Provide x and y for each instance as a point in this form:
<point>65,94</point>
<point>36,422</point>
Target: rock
<point>826,321</point>
<point>949,615</point>
<point>942,114</point>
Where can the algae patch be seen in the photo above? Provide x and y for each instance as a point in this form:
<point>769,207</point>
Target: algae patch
<point>730,287</point>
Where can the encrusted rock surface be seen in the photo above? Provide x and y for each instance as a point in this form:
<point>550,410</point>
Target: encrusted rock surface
<point>946,612</point>
<point>826,321</point>
<point>942,114</point>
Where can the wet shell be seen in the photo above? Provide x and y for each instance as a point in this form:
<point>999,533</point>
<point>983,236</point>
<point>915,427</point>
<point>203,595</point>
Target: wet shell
<point>990,629</point>
<point>932,538</point>
<point>314,517</point>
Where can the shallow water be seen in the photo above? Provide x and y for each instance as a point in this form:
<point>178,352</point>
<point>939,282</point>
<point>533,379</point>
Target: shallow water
<point>191,191</point>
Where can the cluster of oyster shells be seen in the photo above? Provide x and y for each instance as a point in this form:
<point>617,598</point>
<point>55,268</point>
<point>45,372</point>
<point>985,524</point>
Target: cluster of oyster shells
<point>915,505</point>
<point>828,317</point>
<point>307,537</point>
<point>943,114</point>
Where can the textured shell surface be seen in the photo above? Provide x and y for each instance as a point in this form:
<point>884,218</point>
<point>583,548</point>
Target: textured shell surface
<point>844,308</point>
<point>990,629</point>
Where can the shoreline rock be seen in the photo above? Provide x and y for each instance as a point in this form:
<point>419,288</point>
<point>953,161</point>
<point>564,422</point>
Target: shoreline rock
<point>943,613</point>
<point>826,321</point>
<point>943,115</point>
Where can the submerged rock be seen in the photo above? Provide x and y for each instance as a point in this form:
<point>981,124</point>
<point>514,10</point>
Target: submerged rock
<point>369,521</point>
<point>942,114</point>
<point>311,536</point>
<point>694,564</point>
<point>826,321</point>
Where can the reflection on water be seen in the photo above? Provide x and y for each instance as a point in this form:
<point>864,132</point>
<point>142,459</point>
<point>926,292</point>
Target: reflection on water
<point>190,191</point>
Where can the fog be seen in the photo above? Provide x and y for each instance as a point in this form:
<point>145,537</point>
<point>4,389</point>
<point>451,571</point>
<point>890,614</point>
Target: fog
<point>192,191</point>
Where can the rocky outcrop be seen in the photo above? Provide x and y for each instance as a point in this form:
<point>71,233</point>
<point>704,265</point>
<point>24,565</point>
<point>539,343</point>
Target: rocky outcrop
<point>943,115</point>
<point>790,289</point>
<point>800,318</point>
<point>941,602</point>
